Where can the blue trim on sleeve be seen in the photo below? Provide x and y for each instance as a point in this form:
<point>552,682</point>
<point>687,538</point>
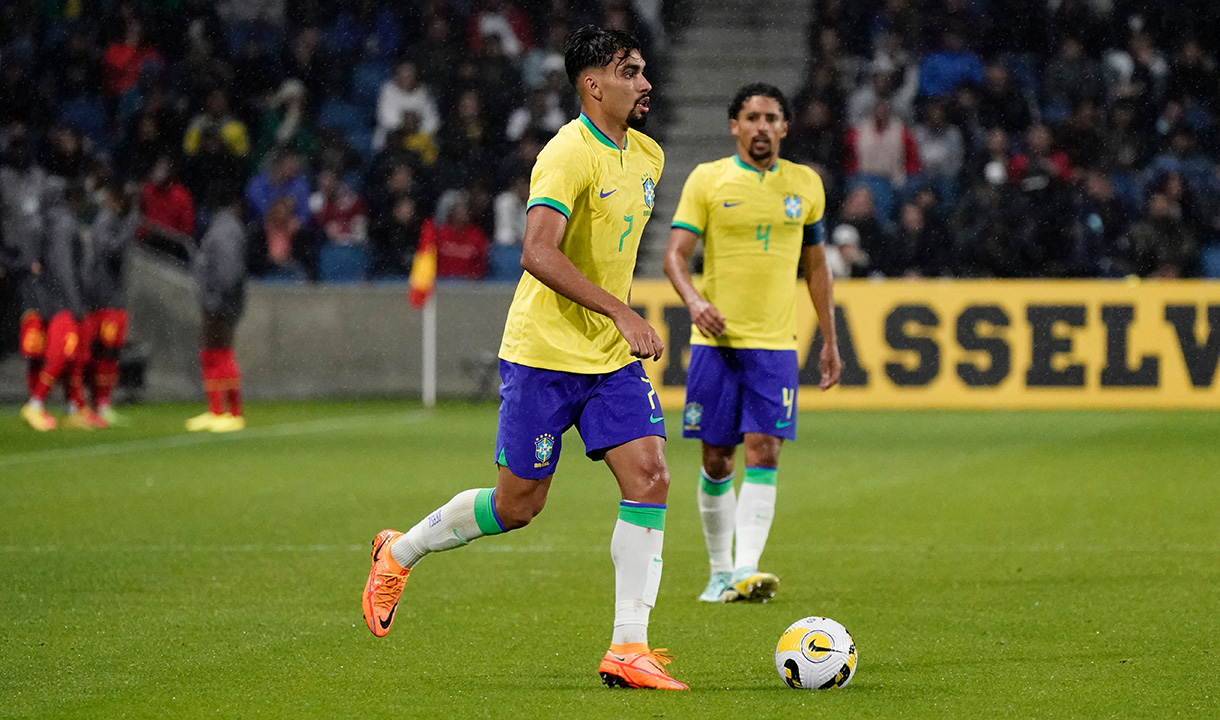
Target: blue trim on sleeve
<point>815,234</point>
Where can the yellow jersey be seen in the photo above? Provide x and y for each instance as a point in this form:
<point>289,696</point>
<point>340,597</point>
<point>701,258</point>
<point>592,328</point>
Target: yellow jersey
<point>753,226</point>
<point>607,194</point>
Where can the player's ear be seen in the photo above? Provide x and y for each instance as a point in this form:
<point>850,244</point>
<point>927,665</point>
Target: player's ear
<point>783,129</point>
<point>592,86</point>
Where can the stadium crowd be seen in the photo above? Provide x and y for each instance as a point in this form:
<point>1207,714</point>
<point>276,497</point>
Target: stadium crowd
<point>354,126</point>
<point>956,137</point>
<point>981,138</point>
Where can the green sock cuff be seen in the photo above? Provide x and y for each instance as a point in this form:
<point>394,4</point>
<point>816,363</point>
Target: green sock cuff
<point>712,487</point>
<point>645,515</point>
<point>485,512</point>
<point>760,475</point>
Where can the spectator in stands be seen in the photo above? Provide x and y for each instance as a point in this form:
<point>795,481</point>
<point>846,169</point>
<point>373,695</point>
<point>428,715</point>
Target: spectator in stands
<point>1193,78</point>
<point>993,229</point>
<point>437,53</point>
<point>466,139</point>
<point>461,246</point>
<point>844,256</point>
<point>169,210</point>
<point>1081,140</point>
<point>502,20</point>
<point>302,60</point>
<point>1124,144</point>
<point>882,146</point>
<point>1102,223</point>
<point>1183,157</point>
<point>281,246</point>
<point>284,124</point>
<point>942,71</point>
<point>419,145</point>
<point>923,247</point>
<point>395,222</point>
<point>860,213</point>
<point>510,212</point>
<point>338,213</point>
<point>941,148</point>
<point>539,62</point>
<point>124,59</point>
<point>255,77</point>
<point>78,70</point>
<point>401,94</point>
<point>64,154</point>
<point>1042,174</point>
<point>283,178</point>
<point>540,113</point>
<point>1000,102</point>
<point>499,82</point>
<point>217,117</point>
<point>1161,244</point>
<point>882,86</point>
<point>817,139</point>
<point>136,156</point>
<point>214,162</point>
<point>1070,78</point>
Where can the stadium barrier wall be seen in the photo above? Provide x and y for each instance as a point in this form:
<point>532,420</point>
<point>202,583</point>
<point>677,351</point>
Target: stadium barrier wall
<point>906,344</point>
<point>991,344</point>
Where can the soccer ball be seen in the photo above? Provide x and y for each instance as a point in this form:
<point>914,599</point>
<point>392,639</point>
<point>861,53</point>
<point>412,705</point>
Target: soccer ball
<point>816,653</point>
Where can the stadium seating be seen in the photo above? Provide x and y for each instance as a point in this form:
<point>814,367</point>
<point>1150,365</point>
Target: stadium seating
<point>504,263</point>
<point>343,263</point>
<point>1211,261</point>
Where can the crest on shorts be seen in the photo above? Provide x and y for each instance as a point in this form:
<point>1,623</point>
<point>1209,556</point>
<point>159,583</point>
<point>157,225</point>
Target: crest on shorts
<point>544,445</point>
<point>649,194</point>
<point>792,206</point>
<point>692,416</point>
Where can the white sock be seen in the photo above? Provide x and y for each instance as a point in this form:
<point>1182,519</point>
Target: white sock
<point>36,404</point>
<point>468,516</point>
<point>717,507</point>
<point>755,509</point>
<point>635,548</point>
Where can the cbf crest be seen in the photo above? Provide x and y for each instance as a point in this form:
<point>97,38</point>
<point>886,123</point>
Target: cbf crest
<point>792,206</point>
<point>544,445</point>
<point>650,195</point>
<point>693,416</point>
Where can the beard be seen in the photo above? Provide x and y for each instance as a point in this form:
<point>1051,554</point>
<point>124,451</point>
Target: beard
<point>764,155</point>
<point>637,120</point>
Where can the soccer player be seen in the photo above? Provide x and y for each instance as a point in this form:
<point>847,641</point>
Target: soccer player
<point>220,277</point>
<point>758,217</point>
<point>568,358</point>
<point>104,329</point>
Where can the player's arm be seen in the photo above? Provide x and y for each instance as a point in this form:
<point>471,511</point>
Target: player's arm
<point>821,291</point>
<point>541,257</point>
<point>703,314</point>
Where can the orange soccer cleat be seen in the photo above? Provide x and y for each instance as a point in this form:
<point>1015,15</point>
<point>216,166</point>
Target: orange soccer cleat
<point>37,417</point>
<point>643,669</point>
<point>386,581</point>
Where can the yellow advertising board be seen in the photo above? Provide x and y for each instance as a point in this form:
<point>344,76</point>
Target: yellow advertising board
<point>991,344</point>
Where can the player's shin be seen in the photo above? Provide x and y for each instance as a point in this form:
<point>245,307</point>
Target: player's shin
<point>469,515</point>
<point>755,509</point>
<point>635,548</point>
<point>717,508</point>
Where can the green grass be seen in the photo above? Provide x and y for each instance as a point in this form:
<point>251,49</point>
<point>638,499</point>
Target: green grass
<point>989,564</point>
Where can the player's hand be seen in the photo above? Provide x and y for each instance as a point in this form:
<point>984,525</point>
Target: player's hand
<point>644,341</point>
<point>831,366</point>
<point>707,318</point>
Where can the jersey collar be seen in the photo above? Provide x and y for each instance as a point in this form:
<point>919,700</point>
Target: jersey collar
<point>601,136</point>
<point>744,166</point>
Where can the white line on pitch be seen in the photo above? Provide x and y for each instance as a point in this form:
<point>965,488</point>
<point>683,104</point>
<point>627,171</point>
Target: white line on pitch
<point>305,427</point>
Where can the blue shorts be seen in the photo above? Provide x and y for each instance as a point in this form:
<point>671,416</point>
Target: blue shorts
<point>730,392</point>
<point>538,406</point>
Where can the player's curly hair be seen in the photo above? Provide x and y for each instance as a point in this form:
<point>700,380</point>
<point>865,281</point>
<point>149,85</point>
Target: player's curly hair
<point>594,47</point>
<point>763,89</point>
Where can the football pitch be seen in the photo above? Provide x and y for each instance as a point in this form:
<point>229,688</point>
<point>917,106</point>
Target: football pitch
<point>988,564</point>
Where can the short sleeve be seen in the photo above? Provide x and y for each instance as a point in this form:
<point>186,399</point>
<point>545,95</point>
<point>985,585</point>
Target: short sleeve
<point>560,175</point>
<point>817,194</point>
<point>692,206</point>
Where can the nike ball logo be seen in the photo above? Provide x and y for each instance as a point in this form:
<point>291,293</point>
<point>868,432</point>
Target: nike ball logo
<point>605,194</point>
<point>733,204</point>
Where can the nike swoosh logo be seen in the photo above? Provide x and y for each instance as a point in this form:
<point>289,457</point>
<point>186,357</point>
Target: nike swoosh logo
<point>733,204</point>
<point>461,539</point>
<point>605,194</point>
<point>656,419</point>
<point>385,624</point>
<point>782,424</point>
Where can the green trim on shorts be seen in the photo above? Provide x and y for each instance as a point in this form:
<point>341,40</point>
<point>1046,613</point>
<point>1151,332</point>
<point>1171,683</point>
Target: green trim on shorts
<point>760,475</point>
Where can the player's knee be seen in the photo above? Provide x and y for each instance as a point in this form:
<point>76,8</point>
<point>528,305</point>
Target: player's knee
<point>518,513</point>
<point>654,481</point>
<point>717,467</point>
